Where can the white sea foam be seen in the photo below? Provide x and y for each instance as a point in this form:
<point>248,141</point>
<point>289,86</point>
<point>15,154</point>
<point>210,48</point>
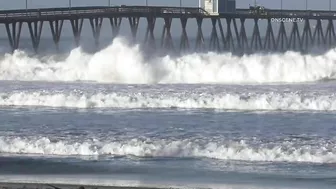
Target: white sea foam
<point>223,101</point>
<point>287,151</point>
<point>121,63</point>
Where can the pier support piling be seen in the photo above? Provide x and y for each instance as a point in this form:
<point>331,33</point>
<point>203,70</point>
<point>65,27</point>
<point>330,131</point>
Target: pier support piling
<point>149,38</point>
<point>56,31</point>
<point>269,42</point>
<point>96,24</point>
<point>318,34</point>
<point>256,43</point>
<point>307,37</point>
<point>236,32</point>
<point>221,31</point>
<point>115,24</point>
<point>134,24</point>
<point>77,25</point>
<point>242,35</point>
<point>295,39</point>
<point>184,44</point>
<point>282,40</point>
<point>200,44</point>
<point>330,34</point>
<point>214,41</point>
<point>229,38</point>
<point>166,39</point>
<point>35,30</point>
<point>14,34</point>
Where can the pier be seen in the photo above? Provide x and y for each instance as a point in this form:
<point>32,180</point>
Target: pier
<point>228,31</point>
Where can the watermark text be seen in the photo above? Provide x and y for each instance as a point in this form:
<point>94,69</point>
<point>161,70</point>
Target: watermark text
<point>287,20</point>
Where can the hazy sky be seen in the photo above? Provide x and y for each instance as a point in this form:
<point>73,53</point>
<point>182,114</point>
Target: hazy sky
<point>289,4</point>
<point>176,26</point>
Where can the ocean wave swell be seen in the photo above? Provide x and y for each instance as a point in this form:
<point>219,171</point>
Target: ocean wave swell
<point>123,63</point>
<point>268,101</point>
<point>224,150</point>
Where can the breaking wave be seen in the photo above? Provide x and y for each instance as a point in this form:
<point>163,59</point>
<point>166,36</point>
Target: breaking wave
<point>287,151</point>
<point>122,63</point>
<point>225,100</point>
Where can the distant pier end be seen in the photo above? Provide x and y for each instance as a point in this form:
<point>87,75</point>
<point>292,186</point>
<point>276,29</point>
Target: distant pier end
<point>215,7</point>
<point>228,32</point>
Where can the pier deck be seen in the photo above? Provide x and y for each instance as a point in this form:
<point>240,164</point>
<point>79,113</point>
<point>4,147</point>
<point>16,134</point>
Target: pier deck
<point>231,39</point>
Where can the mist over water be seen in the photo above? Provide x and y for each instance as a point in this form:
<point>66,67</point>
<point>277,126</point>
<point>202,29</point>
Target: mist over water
<point>126,64</point>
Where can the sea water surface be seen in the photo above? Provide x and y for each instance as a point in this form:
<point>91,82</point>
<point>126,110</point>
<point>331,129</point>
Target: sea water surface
<point>197,120</point>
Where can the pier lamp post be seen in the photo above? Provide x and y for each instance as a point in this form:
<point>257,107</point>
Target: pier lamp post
<point>109,3</point>
<point>146,3</point>
<point>69,3</point>
<point>330,5</point>
<point>306,4</point>
<point>26,5</point>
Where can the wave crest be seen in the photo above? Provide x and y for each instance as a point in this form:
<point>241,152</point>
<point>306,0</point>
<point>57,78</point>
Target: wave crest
<point>229,150</point>
<point>122,63</point>
<point>224,101</point>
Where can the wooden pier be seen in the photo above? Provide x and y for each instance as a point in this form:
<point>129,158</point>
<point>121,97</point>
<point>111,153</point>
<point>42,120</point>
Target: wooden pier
<point>225,34</point>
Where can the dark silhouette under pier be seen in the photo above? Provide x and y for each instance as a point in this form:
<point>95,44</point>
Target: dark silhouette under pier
<point>225,34</point>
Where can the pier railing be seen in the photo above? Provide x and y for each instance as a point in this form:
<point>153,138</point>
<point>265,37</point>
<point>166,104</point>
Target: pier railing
<point>156,11</point>
<point>285,13</point>
<point>38,13</point>
<point>229,38</point>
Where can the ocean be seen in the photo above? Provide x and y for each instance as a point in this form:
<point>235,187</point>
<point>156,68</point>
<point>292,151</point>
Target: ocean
<point>199,120</point>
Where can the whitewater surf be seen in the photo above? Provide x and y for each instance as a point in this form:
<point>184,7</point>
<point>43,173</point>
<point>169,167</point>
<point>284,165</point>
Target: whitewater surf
<point>123,63</point>
<point>191,98</point>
